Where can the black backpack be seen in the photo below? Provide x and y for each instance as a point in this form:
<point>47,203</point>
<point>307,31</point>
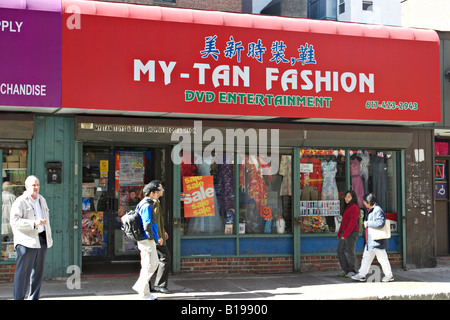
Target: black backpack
<point>132,222</point>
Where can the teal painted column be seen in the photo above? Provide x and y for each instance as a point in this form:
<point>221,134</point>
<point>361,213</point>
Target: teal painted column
<point>76,205</point>
<point>176,209</point>
<point>54,141</point>
<point>296,208</point>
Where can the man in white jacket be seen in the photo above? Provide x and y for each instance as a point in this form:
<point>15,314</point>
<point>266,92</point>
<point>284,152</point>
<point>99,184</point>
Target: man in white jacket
<point>32,236</point>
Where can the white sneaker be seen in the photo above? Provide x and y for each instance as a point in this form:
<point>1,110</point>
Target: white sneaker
<point>148,297</point>
<point>358,277</point>
<point>387,279</point>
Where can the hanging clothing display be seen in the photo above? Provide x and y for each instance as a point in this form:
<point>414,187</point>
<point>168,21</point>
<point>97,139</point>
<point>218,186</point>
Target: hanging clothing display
<point>329,186</point>
<point>380,180</point>
<point>285,171</point>
<point>357,184</point>
<point>364,170</point>
<point>310,178</point>
<point>188,168</point>
<point>225,179</point>
<point>251,178</point>
<point>210,224</point>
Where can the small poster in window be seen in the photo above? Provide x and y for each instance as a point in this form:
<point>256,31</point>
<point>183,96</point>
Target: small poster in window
<point>92,225</point>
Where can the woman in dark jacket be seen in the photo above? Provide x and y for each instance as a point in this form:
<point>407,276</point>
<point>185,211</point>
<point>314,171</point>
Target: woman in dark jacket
<point>348,234</point>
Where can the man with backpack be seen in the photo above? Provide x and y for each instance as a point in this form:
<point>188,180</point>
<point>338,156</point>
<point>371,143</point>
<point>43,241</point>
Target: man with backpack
<point>162,274</point>
<point>147,245</point>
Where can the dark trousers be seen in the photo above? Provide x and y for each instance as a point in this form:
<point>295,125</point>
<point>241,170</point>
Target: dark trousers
<point>29,270</point>
<point>346,252</point>
<point>162,274</point>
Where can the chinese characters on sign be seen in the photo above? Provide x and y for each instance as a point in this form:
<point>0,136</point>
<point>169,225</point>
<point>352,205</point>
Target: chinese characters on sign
<point>306,52</point>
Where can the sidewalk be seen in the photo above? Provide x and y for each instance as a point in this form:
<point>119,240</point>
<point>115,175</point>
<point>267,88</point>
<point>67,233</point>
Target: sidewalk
<point>423,284</point>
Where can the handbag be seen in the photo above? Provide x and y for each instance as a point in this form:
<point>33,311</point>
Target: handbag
<point>381,233</point>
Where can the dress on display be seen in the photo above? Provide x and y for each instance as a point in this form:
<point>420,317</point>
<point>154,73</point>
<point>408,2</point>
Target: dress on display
<point>357,184</point>
<point>364,171</point>
<point>329,186</point>
<point>210,224</point>
<point>285,171</point>
<point>225,179</point>
<point>379,180</point>
<point>251,177</point>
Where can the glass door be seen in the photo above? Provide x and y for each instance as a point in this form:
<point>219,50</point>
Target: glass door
<point>113,180</point>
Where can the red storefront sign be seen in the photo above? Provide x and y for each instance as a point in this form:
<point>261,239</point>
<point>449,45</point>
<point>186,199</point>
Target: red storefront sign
<point>163,60</point>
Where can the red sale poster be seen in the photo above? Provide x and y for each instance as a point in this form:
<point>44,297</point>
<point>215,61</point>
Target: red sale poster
<point>199,199</point>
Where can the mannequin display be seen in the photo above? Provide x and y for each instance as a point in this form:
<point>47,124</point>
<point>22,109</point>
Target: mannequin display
<point>311,180</point>
<point>285,171</point>
<point>357,184</point>
<point>329,186</point>
<point>364,172</point>
<point>225,180</point>
<point>251,179</point>
<point>380,179</point>
<point>209,224</point>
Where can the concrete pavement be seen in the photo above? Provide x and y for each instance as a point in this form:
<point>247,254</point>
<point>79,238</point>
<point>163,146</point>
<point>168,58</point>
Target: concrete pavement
<point>424,284</point>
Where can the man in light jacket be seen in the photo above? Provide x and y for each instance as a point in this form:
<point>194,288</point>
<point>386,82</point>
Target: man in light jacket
<point>32,236</point>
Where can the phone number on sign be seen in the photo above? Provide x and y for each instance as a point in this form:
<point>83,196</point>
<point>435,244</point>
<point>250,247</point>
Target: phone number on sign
<point>391,105</point>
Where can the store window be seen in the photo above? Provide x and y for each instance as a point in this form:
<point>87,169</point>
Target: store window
<point>265,196</point>
<point>325,177</point>
<point>209,195</point>
<point>341,6</point>
<point>440,147</point>
<point>14,173</point>
<point>95,201</point>
<point>322,184</point>
<point>367,5</point>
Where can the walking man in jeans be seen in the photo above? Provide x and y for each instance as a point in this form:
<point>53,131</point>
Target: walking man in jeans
<point>147,245</point>
<point>162,274</point>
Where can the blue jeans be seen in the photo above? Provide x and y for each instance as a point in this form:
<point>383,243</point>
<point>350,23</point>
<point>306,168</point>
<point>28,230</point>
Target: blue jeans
<point>29,270</point>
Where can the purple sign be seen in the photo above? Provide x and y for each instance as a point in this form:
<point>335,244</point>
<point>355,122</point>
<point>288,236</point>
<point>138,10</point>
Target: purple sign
<point>441,190</point>
<point>30,56</point>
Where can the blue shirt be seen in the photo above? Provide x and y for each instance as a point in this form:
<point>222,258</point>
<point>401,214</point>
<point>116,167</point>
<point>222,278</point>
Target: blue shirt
<point>148,219</point>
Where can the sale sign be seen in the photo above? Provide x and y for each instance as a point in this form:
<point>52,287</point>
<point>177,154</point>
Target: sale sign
<point>129,58</point>
<point>199,196</point>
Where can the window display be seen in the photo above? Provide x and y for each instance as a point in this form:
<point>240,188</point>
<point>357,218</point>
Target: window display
<point>14,173</point>
<point>95,202</point>
<point>264,198</point>
<point>323,183</point>
<point>208,195</point>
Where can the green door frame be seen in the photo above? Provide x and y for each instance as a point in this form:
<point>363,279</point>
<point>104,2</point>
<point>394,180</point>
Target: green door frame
<point>176,205</point>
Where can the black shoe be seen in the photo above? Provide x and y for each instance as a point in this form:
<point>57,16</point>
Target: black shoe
<point>161,289</point>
